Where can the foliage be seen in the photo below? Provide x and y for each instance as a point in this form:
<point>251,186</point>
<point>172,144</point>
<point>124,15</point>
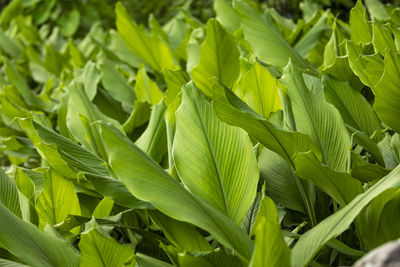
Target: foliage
<point>246,139</point>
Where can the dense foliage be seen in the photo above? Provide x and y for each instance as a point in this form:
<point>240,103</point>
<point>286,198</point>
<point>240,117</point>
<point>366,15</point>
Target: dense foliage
<point>248,140</point>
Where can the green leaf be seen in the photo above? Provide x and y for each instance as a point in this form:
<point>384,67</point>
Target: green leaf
<point>368,68</point>
<point>174,79</point>
<point>270,248</point>
<point>182,235</point>
<point>99,250</point>
<point>312,241</point>
<point>57,199</point>
<point>377,10</point>
<point>149,182</point>
<point>147,90</point>
<point>387,94</point>
<point>378,221</point>
<point>359,27</point>
<point>116,84</point>
<point>104,208</point>
<point>32,246</point>
<point>90,77</point>
<point>146,261</point>
<point>317,118</point>
<point>214,160</point>
<point>339,185</point>
<point>265,39</point>
<point>311,38</point>
<point>353,107</point>
<point>9,194</point>
<point>230,109</point>
<point>280,180</point>
<point>153,141</point>
<point>260,89</point>
<point>219,57</point>
<point>382,38</point>
<point>151,50</point>
<point>226,15</point>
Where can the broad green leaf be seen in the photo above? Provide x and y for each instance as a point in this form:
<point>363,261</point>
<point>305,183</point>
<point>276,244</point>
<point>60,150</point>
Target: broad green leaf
<point>312,241</point>
<point>182,235</point>
<point>226,15</point>
<point>102,251</point>
<point>387,94</point>
<point>378,221</point>
<point>174,79</point>
<point>104,208</point>
<point>26,188</point>
<point>81,112</point>
<point>353,107</point>
<point>90,77</point>
<point>232,110</point>
<point>57,199</point>
<point>9,45</point>
<point>151,50</point>
<point>32,246</point>
<point>280,180</point>
<point>154,139</point>
<point>377,10</point>
<point>339,185</point>
<point>219,57</point>
<point>67,151</point>
<point>369,145</point>
<point>359,27</point>
<point>9,194</point>
<point>214,160</point>
<point>310,39</point>
<point>368,68</point>
<point>149,182</point>
<point>146,261</point>
<point>317,118</point>
<point>7,263</point>
<point>147,90</point>
<point>9,12</point>
<point>270,248</point>
<point>20,84</point>
<point>209,259</point>
<point>116,84</point>
<point>260,90</point>
<point>265,39</point>
<point>115,190</point>
<point>382,38</point>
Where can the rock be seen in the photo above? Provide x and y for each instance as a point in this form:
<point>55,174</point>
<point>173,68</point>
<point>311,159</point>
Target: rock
<point>387,255</point>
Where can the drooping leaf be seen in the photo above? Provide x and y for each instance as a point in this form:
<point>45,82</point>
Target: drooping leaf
<point>312,241</point>
<point>230,109</point>
<point>32,246</point>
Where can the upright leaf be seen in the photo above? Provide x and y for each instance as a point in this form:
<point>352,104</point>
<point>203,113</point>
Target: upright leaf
<point>219,57</point>
<point>319,119</point>
<point>214,160</point>
<point>149,182</point>
<point>150,49</point>
<point>260,90</point>
<point>57,199</point>
<point>102,251</point>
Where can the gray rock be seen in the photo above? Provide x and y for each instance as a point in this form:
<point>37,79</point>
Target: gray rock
<point>387,255</point>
